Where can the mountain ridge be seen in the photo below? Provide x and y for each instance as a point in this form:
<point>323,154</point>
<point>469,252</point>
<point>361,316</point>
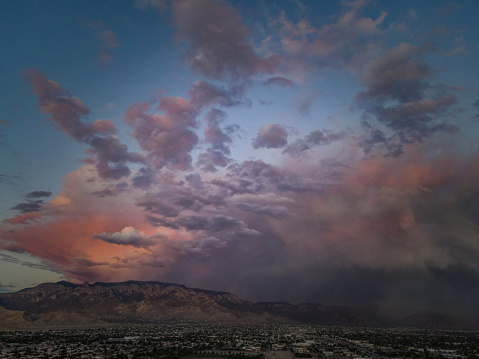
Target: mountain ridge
<point>65,304</point>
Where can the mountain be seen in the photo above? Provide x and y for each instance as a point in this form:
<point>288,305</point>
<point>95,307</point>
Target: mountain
<point>64,304</point>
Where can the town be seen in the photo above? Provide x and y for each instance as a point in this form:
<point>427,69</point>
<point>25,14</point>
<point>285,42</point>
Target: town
<point>234,341</point>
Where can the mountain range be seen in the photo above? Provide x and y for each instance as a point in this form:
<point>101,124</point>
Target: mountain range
<point>64,304</point>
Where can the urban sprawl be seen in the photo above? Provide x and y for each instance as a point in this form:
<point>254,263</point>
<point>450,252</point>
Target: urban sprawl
<point>223,341</point>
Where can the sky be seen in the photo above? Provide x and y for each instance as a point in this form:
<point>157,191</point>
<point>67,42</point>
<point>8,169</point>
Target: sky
<point>303,151</point>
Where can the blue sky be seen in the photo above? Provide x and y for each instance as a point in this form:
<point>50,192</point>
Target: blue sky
<point>243,146</point>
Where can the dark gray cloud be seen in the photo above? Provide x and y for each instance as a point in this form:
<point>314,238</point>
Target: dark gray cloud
<point>239,186</point>
<point>10,259</point>
<point>10,180</point>
<point>216,40</point>
<point>218,223</point>
<point>109,191</point>
<point>476,103</point>
<point>32,205</point>
<point>274,211</point>
<point>271,135</point>
<point>278,81</point>
<point>158,5</point>
<point>111,156</point>
<point>258,173</point>
<point>29,206</point>
<point>399,75</point>
<point>304,105</point>
<point>155,205</point>
<point>172,200</point>
<point>265,102</point>
<point>373,138</point>
<point>205,94</point>
<point>213,133</point>
<point>218,154</point>
<point>5,288</point>
<point>38,194</point>
<point>313,139</point>
<point>194,180</point>
<point>210,159</point>
<point>401,102</point>
<point>475,118</point>
<point>144,178</point>
<point>263,177</point>
<point>347,43</point>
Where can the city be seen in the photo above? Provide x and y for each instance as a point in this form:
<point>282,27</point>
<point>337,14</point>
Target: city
<point>223,341</point>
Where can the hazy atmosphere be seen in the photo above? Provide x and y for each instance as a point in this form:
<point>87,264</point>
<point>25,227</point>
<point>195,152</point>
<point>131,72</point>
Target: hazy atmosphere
<point>305,151</point>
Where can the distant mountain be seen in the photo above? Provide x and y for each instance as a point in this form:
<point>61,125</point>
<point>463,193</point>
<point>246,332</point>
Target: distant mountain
<point>127,302</point>
<point>65,304</point>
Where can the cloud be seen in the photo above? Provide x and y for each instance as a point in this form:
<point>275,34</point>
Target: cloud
<point>213,133</point>
<point>216,40</point>
<point>159,5</point>
<point>29,206</point>
<point>155,205</point>
<point>313,139</point>
<point>274,211</point>
<point>205,94</point>
<point>172,200</point>
<point>167,138</point>
<point>278,81</point>
<point>111,190</point>
<point>144,178</point>
<point>218,154</point>
<point>38,194</point>
<point>111,156</point>
<point>194,180</point>
<point>210,159</point>
<point>347,43</point>
<point>218,223</point>
<point>109,41</point>
<point>24,218</point>
<point>62,233</point>
<point>475,118</point>
<point>5,288</point>
<point>10,259</point>
<point>409,219</point>
<point>271,136</point>
<point>129,236</point>
<point>304,104</point>
<point>399,75</point>
<point>398,97</point>
<point>106,151</point>
<point>66,112</point>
